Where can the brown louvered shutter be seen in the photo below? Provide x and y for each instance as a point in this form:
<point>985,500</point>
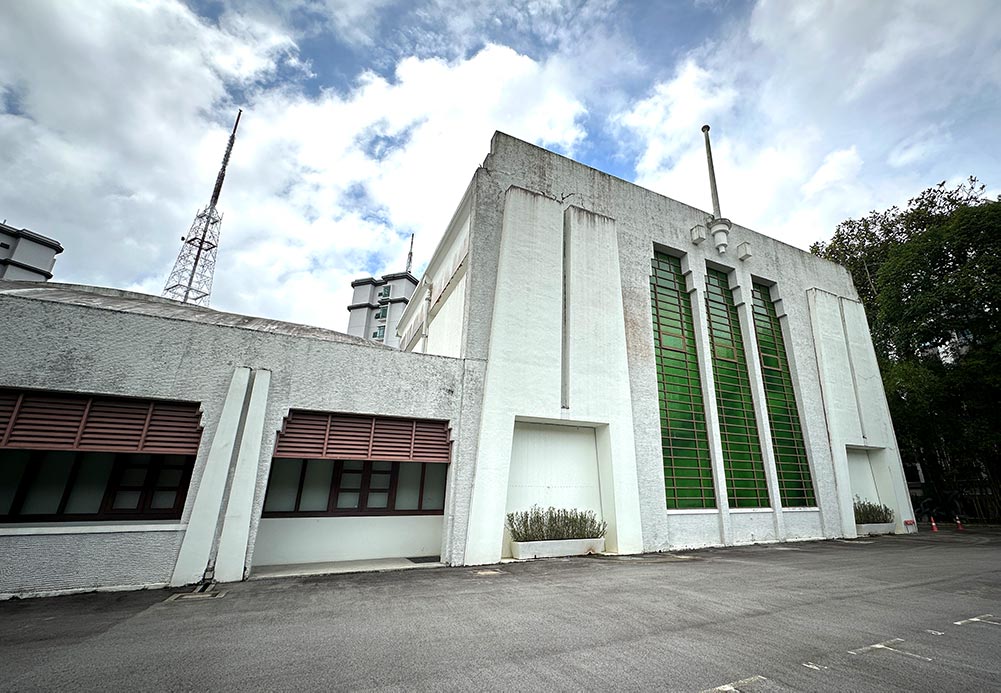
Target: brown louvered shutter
<point>45,421</point>
<point>173,429</point>
<point>303,435</point>
<point>317,435</point>
<point>431,442</point>
<point>50,421</point>
<point>114,425</point>
<point>349,437</point>
<point>393,439</point>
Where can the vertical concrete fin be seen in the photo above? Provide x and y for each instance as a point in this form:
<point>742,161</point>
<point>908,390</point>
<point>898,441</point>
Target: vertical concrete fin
<point>745,311</point>
<point>695,280</point>
<point>599,367</point>
<point>565,361</point>
<point>232,555</point>
<point>196,547</point>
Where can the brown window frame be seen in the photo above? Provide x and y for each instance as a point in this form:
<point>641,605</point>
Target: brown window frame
<point>364,488</point>
<point>114,485</point>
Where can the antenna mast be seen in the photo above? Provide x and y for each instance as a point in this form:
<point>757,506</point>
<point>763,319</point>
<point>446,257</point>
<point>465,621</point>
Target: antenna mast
<point>718,226</point>
<point>191,279</point>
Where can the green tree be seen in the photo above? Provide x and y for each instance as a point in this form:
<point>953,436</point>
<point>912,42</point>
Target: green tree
<point>929,276</point>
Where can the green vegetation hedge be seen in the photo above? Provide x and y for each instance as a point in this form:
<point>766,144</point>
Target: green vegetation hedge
<point>867,513</point>
<point>554,523</point>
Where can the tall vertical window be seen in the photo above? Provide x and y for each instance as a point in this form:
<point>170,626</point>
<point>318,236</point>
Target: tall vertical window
<point>795,483</point>
<point>742,461</point>
<point>688,478</point>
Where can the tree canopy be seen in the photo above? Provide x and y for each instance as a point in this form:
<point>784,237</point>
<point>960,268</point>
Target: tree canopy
<point>929,276</point>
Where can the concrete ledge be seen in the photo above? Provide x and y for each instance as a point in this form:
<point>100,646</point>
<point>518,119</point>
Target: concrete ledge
<point>103,528</point>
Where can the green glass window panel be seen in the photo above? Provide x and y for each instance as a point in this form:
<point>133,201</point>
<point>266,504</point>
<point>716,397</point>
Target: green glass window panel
<point>792,466</point>
<point>688,481</point>
<point>743,463</point>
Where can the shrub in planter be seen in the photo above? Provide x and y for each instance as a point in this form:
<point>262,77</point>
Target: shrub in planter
<point>552,524</point>
<point>869,513</point>
<point>539,533</point>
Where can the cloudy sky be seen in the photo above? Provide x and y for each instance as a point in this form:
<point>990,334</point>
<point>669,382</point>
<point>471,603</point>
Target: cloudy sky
<point>365,119</point>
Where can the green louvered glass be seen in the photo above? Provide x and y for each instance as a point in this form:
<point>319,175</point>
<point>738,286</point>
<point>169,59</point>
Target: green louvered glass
<point>795,482</point>
<point>743,464</point>
<point>688,478</point>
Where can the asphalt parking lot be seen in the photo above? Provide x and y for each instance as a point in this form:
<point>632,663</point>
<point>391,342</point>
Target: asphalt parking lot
<point>908,613</point>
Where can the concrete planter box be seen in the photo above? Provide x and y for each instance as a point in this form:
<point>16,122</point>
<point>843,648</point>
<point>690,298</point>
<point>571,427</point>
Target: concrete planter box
<point>556,547</point>
<point>880,528</point>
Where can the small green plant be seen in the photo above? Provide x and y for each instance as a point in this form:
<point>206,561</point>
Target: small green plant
<point>537,524</point>
<point>869,513</point>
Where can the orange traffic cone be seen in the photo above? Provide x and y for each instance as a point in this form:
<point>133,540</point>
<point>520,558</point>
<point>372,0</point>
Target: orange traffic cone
<point>959,525</point>
<point>934,527</point>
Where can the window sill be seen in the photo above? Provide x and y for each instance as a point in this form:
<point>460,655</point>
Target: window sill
<point>693,511</point>
<point>811,509</point>
<point>749,511</point>
<point>9,530</point>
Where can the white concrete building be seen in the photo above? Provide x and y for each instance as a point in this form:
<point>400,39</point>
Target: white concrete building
<point>377,306</point>
<point>26,255</point>
<point>570,344</point>
<point>692,398</point>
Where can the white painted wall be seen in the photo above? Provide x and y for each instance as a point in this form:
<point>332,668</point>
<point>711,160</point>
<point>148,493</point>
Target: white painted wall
<point>856,409</point>
<point>860,471</point>
<point>553,465</point>
<point>283,541</point>
<point>445,328</point>
<point>533,373</point>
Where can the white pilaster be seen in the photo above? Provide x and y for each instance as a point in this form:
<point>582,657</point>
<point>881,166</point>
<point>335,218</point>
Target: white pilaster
<point>196,548</point>
<point>695,282</point>
<point>231,558</point>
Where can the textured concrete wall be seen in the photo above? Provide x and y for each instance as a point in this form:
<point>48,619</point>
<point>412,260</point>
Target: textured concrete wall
<point>54,344</point>
<point>44,563</point>
<point>643,221</point>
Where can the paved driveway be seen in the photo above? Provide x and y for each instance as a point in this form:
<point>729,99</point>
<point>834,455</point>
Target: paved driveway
<point>895,613</point>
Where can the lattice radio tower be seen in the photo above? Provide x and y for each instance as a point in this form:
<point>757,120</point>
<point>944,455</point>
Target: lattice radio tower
<point>191,279</point>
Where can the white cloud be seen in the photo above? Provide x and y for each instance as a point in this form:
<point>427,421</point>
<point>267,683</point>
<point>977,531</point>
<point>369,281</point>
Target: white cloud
<point>667,118</point>
<point>801,94</point>
<point>838,168</point>
<point>320,188</point>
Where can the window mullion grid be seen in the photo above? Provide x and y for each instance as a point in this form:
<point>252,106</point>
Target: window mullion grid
<point>366,476</point>
<point>35,458</point>
<point>420,493</point>
<point>114,484</point>
<point>335,486</point>
<point>152,474</point>
<point>71,479</point>
<point>303,463</point>
<point>394,473</point>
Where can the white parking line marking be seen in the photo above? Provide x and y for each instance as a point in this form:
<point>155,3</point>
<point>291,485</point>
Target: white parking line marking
<point>935,632</point>
<point>736,685</point>
<point>815,667</point>
<point>982,618</point>
<point>885,645</point>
